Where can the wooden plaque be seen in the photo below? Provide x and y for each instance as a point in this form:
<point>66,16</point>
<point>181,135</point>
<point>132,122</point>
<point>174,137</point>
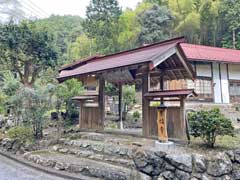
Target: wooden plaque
<point>162,125</point>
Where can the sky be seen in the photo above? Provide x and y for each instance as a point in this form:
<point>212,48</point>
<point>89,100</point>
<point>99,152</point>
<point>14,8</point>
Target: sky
<point>70,7</point>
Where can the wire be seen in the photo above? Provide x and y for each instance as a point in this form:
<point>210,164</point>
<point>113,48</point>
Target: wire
<point>41,11</point>
<point>30,11</point>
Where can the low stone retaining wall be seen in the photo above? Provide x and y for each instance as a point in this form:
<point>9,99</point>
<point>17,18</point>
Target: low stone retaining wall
<point>96,170</point>
<point>155,164</point>
<point>110,149</point>
<point>161,166</point>
<point>16,147</point>
<point>126,162</point>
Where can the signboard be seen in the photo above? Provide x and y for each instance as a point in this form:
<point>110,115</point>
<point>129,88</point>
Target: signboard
<point>162,125</point>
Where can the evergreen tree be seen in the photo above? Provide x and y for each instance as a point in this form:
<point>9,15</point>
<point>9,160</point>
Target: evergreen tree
<point>101,24</point>
<point>155,24</point>
<point>230,13</point>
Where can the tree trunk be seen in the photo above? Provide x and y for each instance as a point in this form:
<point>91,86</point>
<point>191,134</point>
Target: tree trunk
<point>234,38</point>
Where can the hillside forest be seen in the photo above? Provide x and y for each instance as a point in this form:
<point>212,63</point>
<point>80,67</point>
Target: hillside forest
<point>32,50</point>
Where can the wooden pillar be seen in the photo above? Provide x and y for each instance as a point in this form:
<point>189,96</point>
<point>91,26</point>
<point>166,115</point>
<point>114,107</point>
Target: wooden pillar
<point>145,105</point>
<point>80,114</point>
<point>182,132</point>
<point>101,102</point>
<point>120,105</point>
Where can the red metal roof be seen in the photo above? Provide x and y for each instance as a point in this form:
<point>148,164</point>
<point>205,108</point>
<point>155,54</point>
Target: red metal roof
<point>126,58</point>
<point>207,53</point>
<point>79,63</point>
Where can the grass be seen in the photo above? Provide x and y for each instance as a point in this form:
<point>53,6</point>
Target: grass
<point>222,143</point>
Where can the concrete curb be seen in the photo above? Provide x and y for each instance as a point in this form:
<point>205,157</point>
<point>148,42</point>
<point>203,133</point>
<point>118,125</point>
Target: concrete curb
<point>49,171</point>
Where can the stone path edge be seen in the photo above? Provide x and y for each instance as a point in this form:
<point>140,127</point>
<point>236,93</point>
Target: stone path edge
<point>49,171</point>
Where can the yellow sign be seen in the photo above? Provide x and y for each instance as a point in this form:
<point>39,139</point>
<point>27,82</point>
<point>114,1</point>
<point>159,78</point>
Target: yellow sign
<point>162,125</point>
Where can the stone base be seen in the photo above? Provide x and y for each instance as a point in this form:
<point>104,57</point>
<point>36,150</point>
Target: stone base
<point>165,146</point>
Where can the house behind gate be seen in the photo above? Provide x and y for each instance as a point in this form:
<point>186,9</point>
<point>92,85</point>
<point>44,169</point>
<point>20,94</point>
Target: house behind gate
<point>217,74</point>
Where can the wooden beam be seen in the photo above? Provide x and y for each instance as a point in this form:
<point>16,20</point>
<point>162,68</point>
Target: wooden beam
<point>182,123</point>
<point>161,57</point>
<point>145,105</point>
<point>101,102</point>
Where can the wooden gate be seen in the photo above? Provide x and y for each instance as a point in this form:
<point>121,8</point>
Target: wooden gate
<point>89,118</point>
<point>174,124</point>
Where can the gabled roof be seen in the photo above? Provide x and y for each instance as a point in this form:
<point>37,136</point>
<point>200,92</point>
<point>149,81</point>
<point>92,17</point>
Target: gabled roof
<point>146,54</point>
<point>79,63</point>
<point>207,53</point>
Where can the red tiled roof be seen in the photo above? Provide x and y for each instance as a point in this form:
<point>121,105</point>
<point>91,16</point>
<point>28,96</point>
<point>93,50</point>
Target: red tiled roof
<point>208,53</point>
<point>126,58</point>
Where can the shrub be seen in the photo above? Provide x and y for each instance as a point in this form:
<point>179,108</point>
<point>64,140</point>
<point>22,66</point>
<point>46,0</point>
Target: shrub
<point>209,124</point>
<point>136,115</point>
<point>23,134</point>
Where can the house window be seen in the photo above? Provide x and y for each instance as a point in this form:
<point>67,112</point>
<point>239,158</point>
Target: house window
<point>234,90</point>
<point>203,87</point>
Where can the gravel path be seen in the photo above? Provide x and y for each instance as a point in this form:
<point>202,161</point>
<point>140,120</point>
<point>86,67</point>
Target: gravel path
<point>10,170</point>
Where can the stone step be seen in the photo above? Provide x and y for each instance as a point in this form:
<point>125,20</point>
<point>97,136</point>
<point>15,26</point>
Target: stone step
<point>112,149</point>
<point>110,138</point>
<point>86,167</point>
<point>89,154</point>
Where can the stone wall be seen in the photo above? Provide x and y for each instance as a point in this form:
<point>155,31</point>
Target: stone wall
<point>163,166</point>
<point>15,146</point>
<point>157,165</point>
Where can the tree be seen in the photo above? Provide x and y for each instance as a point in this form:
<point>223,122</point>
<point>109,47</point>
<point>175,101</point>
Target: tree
<point>158,2</point>
<point>64,30</point>
<point>129,29</point>
<point>210,23</point>
<point>129,98</point>
<point>81,48</point>
<point>64,94</point>
<point>101,24</point>
<point>155,24</point>
<point>29,107</point>
<point>230,10</point>
<point>186,18</point>
<point>209,124</point>
<point>26,50</point>
<point>9,87</point>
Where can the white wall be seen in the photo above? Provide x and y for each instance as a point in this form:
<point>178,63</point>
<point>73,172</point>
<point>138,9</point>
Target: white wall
<point>224,83</point>
<point>234,71</point>
<point>203,70</point>
<point>217,83</point>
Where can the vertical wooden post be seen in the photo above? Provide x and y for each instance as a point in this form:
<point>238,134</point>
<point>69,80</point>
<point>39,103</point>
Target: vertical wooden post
<point>145,105</point>
<point>182,133</point>
<point>120,105</point>
<point>101,102</point>
<point>80,114</point>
